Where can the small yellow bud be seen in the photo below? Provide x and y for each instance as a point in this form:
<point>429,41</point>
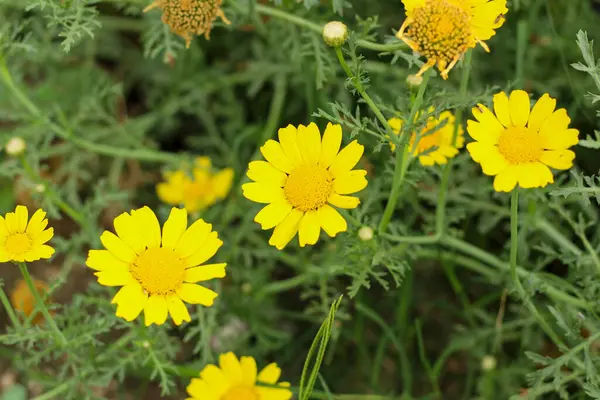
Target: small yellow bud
<point>365,233</point>
<point>15,146</point>
<point>335,33</point>
<point>40,188</point>
<point>414,80</point>
<point>488,363</point>
<point>146,344</point>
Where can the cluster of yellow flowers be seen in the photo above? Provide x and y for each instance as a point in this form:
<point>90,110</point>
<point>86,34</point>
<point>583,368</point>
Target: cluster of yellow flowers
<point>303,181</point>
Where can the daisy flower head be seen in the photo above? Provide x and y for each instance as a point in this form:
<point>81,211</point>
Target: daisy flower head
<point>238,379</point>
<point>433,143</point>
<point>518,144</point>
<point>302,177</point>
<point>190,17</point>
<point>196,192</point>
<point>23,239</point>
<point>443,30</point>
<point>24,301</point>
<point>157,272</point>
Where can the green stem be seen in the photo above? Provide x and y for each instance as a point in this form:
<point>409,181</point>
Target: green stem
<point>65,134</point>
<point>41,305</point>
<point>401,157</point>
<point>53,394</point>
<point>9,309</point>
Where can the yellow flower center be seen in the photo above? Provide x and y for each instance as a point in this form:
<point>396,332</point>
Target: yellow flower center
<point>17,243</point>
<point>158,270</point>
<point>190,15</point>
<point>520,145</point>
<point>241,393</point>
<point>430,137</point>
<point>440,30</point>
<point>308,187</point>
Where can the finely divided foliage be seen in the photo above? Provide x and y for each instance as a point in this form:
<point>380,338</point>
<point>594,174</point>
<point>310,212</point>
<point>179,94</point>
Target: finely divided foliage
<point>436,160</point>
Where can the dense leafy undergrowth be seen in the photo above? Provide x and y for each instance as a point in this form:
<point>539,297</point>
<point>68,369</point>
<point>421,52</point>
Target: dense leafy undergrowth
<point>438,256</point>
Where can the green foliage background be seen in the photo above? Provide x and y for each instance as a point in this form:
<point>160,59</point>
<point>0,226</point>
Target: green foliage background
<point>105,95</point>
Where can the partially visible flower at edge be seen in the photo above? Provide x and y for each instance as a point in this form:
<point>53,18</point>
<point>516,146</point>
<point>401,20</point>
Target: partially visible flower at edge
<point>236,379</point>
<point>23,239</point>
<point>435,143</point>
<point>22,299</point>
<point>188,17</point>
<point>519,145</point>
<point>198,192</point>
<point>443,30</point>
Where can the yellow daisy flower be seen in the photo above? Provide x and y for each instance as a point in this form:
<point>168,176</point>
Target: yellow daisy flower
<point>435,147</point>
<point>189,17</point>
<point>443,30</point>
<point>237,379</point>
<point>198,192</point>
<point>302,176</point>
<point>157,273</point>
<point>23,300</point>
<point>517,145</point>
<point>22,240</point>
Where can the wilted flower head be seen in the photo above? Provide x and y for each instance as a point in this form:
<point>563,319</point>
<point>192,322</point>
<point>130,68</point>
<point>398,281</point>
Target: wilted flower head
<point>23,300</point>
<point>189,17</point>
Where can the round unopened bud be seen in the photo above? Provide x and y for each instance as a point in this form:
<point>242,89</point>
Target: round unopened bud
<point>40,188</point>
<point>246,287</point>
<point>335,33</point>
<point>488,363</point>
<point>15,146</point>
<point>414,80</point>
<point>365,233</point>
<point>146,344</point>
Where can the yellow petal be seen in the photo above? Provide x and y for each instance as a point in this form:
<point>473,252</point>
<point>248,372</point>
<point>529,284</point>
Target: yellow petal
<point>196,294</point>
<point>347,202</point>
<point>331,221</point>
<point>350,182</point>
<point>43,236</point>
<point>174,228</point>
<point>533,175</point>
<point>488,129</point>
<point>347,158</point>
<point>148,224</point>
<point>37,223</point>
<point>395,124</point>
<point>555,131</point>
<point>193,238</point>
<point>286,230</point>
<point>128,230</point>
<point>117,247</point>
<point>102,260</point>
<point>114,277</point>
<point>540,112</point>
<point>37,253</point>
<point>558,159</point>
<point>215,379</point>
<point>171,191</point>
<point>491,160</point>
<point>309,143</point>
<point>506,180</point>
<point>11,222</point>
<point>231,368</point>
<point>330,146</point>
<point>309,229</point>
<point>262,192</point>
<point>221,182</point>
<point>3,229</point>
<point>199,390</point>
<point>273,153</point>
<point>519,107</point>
<point>501,108</point>
<point>204,273</point>
<point>249,370</point>
<point>155,311</point>
<point>288,138</point>
<point>270,374</point>
<point>206,250</point>
<point>130,300</point>
<point>262,171</point>
<point>272,214</point>
<point>21,214</point>
<point>177,309</point>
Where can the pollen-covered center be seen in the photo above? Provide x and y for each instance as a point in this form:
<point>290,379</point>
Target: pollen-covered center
<point>18,243</point>
<point>190,16</point>
<point>440,30</point>
<point>158,270</point>
<point>520,145</point>
<point>241,393</point>
<point>308,187</point>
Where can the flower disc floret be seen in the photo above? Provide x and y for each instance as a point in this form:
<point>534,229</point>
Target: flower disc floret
<point>158,271</point>
<point>517,144</point>
<point>443,30</point>
<point>302,177</point>
<point>23,239</point>
<point>238,379</point>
